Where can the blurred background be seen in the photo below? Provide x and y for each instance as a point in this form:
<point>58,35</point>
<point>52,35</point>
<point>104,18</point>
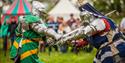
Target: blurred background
<point>66,54</point>
<point>103,6</point>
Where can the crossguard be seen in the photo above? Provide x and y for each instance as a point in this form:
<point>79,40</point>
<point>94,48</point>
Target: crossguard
<point>50,41</point>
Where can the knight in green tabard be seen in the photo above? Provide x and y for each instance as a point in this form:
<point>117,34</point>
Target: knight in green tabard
<point>29,32</point>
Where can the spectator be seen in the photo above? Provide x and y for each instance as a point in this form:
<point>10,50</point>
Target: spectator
<point>76,24</point>
<point>54,25</point>
<point>122,28</point>
<point>12,26</point>
<point>59,20</point>
<point>71,20</point>
<point>64,28</point>
<point>5,7</point>
<point>77,45</point>
<point>122,25</point>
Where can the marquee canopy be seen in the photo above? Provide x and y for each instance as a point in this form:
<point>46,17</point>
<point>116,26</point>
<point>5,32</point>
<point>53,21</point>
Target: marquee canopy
<point>64,8</point>
<point>19,7</point>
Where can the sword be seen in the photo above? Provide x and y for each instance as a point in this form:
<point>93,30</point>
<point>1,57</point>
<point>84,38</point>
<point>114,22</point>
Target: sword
<point>75,34</point>
<point>110,12</point>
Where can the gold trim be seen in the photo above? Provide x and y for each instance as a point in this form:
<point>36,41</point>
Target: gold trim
<point>28,53</point>
<point>26,41</point>
<point>23,42</point>
<point>16,44</point>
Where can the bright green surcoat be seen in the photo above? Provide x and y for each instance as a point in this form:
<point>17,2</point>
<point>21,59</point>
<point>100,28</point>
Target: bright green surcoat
<point>29,50</point>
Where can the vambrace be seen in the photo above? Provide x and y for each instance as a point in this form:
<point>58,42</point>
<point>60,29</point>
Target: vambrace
<point>38,27</point>
<point>42,28</point>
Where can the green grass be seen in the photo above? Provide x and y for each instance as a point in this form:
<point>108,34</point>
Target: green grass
<point>55,57</point>
<point>69,57</point>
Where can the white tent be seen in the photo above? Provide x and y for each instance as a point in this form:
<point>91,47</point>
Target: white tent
<point>81,2</point>
<point>64,8</point>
